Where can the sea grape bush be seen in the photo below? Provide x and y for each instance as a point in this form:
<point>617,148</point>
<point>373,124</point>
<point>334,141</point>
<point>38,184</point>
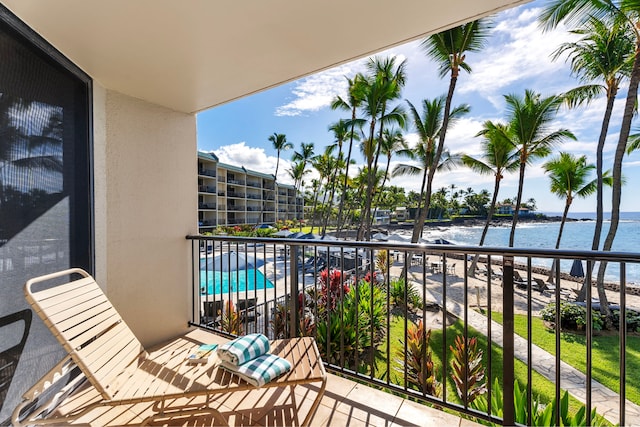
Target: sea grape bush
<point>572,316</point>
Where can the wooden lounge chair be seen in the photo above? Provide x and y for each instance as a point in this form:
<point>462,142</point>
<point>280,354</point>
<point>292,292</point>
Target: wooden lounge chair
<point>114,362</point>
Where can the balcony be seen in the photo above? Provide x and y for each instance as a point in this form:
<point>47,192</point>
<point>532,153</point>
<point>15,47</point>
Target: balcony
<point>207,189</point>
<point>500,306</point>
<point>207,172</point>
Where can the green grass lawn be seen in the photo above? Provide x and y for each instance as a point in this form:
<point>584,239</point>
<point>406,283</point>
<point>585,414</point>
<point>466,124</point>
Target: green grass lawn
<point>542,388</point>
<point>605,353</point>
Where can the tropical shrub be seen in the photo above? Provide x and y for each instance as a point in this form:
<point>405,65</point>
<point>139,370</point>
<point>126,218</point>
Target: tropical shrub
<point>418,358</point>
<point>382,264</point>
<point>349,334</point>
<point>332,290</point>
<point>474,385</point>
<point>541,415</point>
<point>231,321</point>
<point>400,294</point>
<point>633,320</point>
<point>572,316</point>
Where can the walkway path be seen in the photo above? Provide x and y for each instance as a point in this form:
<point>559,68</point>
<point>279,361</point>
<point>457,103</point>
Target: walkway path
<point>603,399</point>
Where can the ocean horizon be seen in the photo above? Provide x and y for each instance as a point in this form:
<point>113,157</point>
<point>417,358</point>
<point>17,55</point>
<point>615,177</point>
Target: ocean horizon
<point>577,235</point>
<point>624,216</point>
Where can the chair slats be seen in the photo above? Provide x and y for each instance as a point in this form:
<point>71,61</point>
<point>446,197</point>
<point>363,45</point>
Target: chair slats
<point>110,356</point>
<point>60,293</point>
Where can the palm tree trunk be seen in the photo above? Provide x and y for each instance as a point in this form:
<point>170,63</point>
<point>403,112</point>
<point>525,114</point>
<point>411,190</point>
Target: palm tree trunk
<point>552,272</point>
<point>597,232</point>
<point>365,223</point>
<point>494,199</point>
<point>512,234</point>
<point>315,203</point>
<point>419,225</point>
<point>616,195</point>
<point>346,172</point>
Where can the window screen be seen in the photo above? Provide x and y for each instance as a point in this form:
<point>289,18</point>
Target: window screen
<point>45,194</point>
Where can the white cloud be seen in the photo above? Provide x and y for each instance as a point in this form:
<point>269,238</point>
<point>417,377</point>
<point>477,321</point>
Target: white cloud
<point>519,51</point>
<point>317,91</point>
<point>254,159</point>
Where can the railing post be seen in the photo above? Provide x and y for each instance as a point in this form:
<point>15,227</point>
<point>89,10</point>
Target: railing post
<point>507,343</point>
<point>293,296</point>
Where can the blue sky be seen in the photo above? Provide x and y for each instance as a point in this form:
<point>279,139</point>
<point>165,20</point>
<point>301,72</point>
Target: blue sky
<point>517,58</point>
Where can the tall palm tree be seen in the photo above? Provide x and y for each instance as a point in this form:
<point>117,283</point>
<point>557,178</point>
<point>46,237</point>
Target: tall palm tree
<point>324,165</point>
<point>279,141</point>
<point>498,157</point>
<point>569,176</point>
<point>392,141</point>
<point>306,153</point>
<point>429,126</point>
<point>449,49</point>
<point>626,12</point>
<point>529,120</point>
<point>383,86</point>
<point>297,172</point>
<point>356,92</point>
<point>604,53</point>
<point>340,131</point>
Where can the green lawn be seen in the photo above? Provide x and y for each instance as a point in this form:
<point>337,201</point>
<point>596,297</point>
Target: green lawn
<point>541,387</point>
<point>605,353</point>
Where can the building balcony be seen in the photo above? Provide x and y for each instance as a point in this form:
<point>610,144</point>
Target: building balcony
<point>207,172</point>
<point>207,189</point>
<point>209,206</point>
<point>345,402</point>
<point>498,306</point>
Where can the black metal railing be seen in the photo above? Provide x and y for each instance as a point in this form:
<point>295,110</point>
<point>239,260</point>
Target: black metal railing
<point>388,314</point>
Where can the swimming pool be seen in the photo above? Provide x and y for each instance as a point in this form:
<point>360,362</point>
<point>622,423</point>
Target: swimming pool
<point>244,280</point>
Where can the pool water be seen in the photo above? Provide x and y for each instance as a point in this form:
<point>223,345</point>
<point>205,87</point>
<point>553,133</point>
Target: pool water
<point>244,280</point>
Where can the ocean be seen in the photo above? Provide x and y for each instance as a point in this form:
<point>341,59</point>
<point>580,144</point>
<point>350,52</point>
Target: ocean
<point>576,235</point>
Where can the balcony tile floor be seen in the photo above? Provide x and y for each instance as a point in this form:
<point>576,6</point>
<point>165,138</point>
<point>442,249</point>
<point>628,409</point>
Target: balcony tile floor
<point>345,403</point>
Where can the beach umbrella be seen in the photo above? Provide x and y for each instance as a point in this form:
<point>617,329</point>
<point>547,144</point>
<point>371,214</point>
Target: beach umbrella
<point>328,237</point>
<point>283,233</point>
<point>308,236</point>
<point>442,242</point>
<point>230,261</point>
<point>398,238</point>
<point>380,236</point>
<point>576,269</point>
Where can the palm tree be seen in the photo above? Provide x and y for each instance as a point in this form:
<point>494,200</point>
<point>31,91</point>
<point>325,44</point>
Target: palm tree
<point>498,157</point>
<point>297,172</point>
<point>340,131</point>
<point>324,164</point>
<point>449,49</point>
<point>423,161</point>
<point>382,87</point>
<point>280,143</point>
<point>529,120</point>
<point>569,177</point>
<point>356,97</point>
<point>392,141</point>
<point>605,53</point>
<point>625,12</point>
<point>429,126</point>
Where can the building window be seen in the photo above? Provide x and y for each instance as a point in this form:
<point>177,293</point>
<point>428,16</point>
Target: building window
<point>45,192</point>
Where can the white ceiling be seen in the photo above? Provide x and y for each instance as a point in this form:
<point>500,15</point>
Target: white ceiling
<point>190,55</point>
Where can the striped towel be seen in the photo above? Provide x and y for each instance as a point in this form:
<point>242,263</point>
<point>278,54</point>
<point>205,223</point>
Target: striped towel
<point>260,370</point>
<point>243,349</point>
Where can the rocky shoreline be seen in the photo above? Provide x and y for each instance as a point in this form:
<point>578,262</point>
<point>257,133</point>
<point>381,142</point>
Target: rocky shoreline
<point>479,221</point>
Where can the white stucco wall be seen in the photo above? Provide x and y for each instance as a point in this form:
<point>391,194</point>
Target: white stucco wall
<point>145,204</point>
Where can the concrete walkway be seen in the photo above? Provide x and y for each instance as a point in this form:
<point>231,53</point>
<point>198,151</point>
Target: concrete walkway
<point>605,401</point>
